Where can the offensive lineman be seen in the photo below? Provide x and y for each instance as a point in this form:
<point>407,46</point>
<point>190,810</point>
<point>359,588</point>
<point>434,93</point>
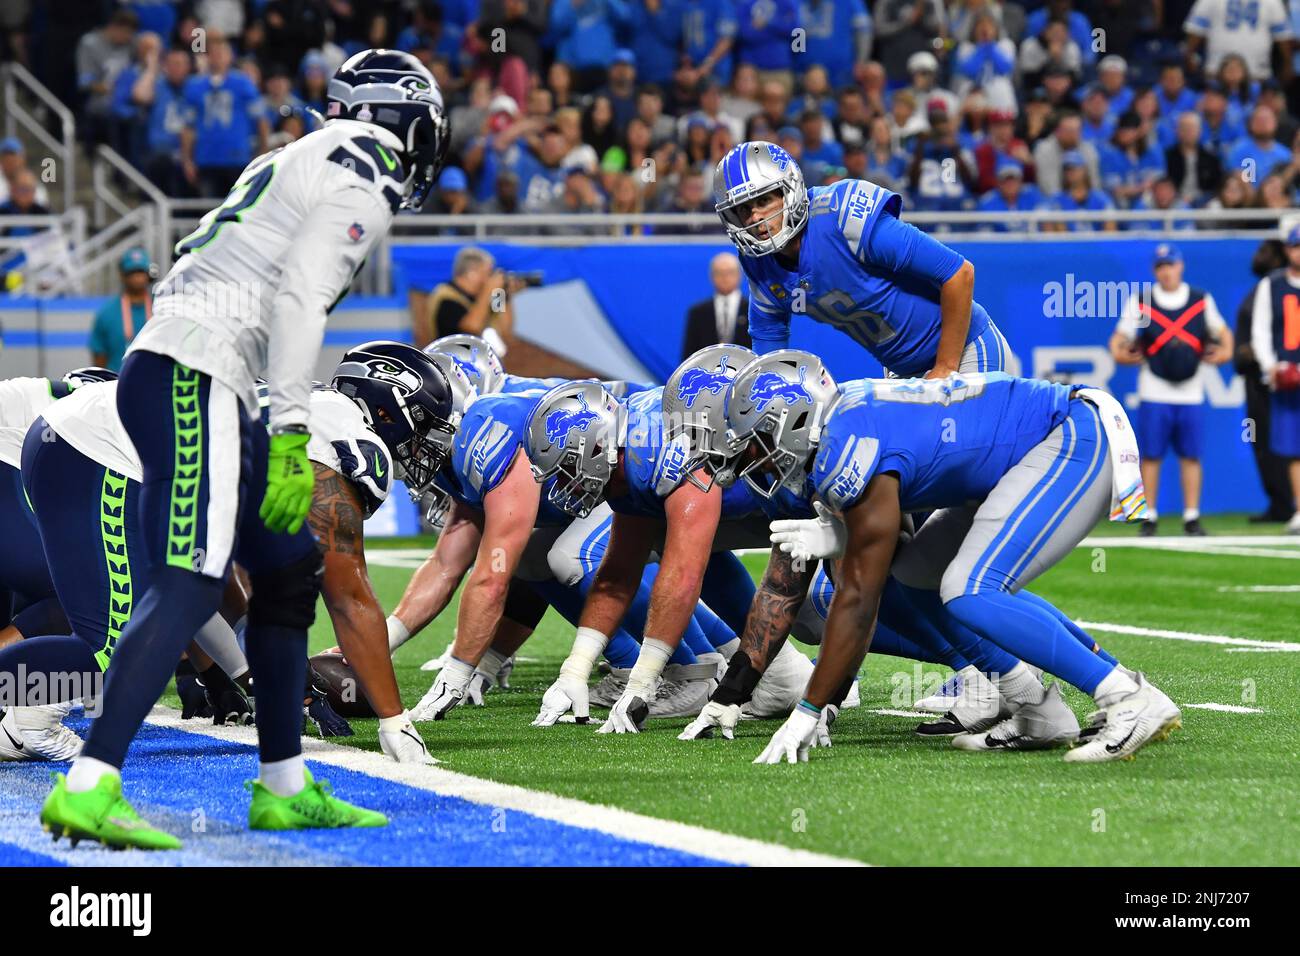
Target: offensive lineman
<point>249,296</point>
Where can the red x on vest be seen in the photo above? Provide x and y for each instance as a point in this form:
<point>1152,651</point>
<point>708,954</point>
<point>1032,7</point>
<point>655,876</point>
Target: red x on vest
<point>1173,327</point>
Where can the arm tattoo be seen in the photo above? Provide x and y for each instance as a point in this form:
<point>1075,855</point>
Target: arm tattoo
<point>776,603</point>
<point>336,514</point>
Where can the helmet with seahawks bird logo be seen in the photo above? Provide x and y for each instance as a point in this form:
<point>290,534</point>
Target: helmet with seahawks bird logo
<point>695,409</point>
<point>778,404</point>
<point>395,91</point>
<point>573,436</point>
<point>90,373</point>
<point>407,400</point>
<point>748,172</point>
<point>476,357</point>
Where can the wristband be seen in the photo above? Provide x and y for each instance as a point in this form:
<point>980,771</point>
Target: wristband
<point>397,633</point>
<point>489,666</point>
<point>588,644</point>
<point>649,664</point>
<point>810,709</point>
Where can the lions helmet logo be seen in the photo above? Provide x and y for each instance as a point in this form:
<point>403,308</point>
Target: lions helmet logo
<point>469,368</point>
<point>562,421</point>
<point>769,386</point>
<point>696,381</point>
<point>779,156</point>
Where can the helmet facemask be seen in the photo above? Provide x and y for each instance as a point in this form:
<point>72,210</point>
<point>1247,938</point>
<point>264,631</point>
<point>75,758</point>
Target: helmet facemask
<point>573,489</point>
<point>790,468</point>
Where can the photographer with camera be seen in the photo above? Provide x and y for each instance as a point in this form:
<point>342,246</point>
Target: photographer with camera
<point>476,301</point>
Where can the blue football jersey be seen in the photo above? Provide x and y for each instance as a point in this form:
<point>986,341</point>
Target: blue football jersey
<point>865,272</point>
<point>489,436</point>
<point>514,384</point>
<point>653,471</point>
<point>948,440</point>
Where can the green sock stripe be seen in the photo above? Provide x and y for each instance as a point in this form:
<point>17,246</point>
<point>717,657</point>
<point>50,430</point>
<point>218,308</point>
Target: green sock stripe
<point>112,518</point>
<point>187,418</point>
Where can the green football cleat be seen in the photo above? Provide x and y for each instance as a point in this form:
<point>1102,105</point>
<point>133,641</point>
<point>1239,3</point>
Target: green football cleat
<point>311,808</point>
<point>102,815</point>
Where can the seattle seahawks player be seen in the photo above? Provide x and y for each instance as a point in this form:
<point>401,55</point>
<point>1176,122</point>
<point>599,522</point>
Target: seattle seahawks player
<point>1045,462</point>
<point>588,447</point>
<point>249,296</point>
<point>841,255</point>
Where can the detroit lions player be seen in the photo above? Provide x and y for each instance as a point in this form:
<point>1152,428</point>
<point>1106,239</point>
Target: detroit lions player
<point>249,296</point>
<point>643,457</point>
<point>1045,462</point>
<point>841,255</point>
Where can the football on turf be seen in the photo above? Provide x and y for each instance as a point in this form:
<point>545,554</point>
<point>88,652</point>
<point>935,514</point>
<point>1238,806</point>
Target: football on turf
<point>341,686</point>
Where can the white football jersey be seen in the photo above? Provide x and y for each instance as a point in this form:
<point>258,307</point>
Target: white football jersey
<point>11,445</point>
<point>250,292</point>
<point>1246,27</point>
<point>340,438</point>
<point>22,399</point>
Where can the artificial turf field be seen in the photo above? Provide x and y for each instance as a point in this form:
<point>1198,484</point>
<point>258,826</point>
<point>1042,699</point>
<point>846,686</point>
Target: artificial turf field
<point>1222,791</point>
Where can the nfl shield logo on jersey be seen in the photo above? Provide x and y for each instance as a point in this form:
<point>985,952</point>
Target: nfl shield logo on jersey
<point>355,232</point>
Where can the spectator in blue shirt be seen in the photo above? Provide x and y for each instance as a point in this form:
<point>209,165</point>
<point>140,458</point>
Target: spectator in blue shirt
<point>1080,28</point>
<point>818,147</point>
<point>1079,194</point>
<point>656,32</point>
<point>815,95</point>
<point>1098,121</point>
<point>883,164</point>
<point>1011,195</point>
<point>1163,197</point>
<point>1172,92</point>
<point>431,30</point>
<point>987,62</point>
<point>225,114</point>
<point>119,319</point>
<point>766,32</point>
<point>1112,77</point>
<point>838,34</point>
<point>160,90</point>
<point>1219,131</point>
<point>279,100</point>
<point>709,29</point>
<point>584,31</point>
<point>1128,165</point>
<point>541,174</point>
<point>1255,154</point>
<point>621,91</point>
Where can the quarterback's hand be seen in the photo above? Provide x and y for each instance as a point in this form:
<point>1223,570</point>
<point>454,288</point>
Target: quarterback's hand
<point>629,713</point>
<point>722,716</point>
<point>289,483</point>
<point>567,693</point>
<point>404,744</point>
<point>447,691</point>
<point>808,539</point>
<point>793,739</point>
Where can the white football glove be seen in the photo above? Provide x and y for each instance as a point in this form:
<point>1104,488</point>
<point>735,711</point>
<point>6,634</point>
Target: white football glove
<point>404,744</point>
<point>567,693</point>
<point>629,713</point>
<point>722,716</point>
<point>808,539</point>
<point>829,713</point>
<point>447,691</point>
<point>793,739</point>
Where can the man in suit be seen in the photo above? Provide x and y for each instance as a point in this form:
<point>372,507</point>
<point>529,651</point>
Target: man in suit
<point>724,317</point>
<point>1195,170</point>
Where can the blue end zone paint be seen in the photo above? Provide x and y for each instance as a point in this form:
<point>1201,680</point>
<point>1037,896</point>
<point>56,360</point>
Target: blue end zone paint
<point>175,779</point>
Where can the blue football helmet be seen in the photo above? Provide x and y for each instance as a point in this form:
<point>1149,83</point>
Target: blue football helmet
<point>394,90</point>
<point>407,400</point>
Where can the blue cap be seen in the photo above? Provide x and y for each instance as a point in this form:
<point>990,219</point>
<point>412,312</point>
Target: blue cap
<point>1009,167</point>
<point>697,120</point>
<point>1293,235</point>
<point>11,144</point>
<point>135,259</point>
<point>1167,252</point>
<point>312,60</point>
<point>453,179</point>
<point>623,55</point>
<point>790,131</point>
<point>1072,157</point>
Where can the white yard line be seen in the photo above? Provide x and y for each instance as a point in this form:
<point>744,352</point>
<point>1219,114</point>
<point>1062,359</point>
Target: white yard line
<point>902,713</point>
<point>1226,708</point>
<point>1190,543</point>
<point>1244,642</point>
<point>589,816</point>
<point>1260,588</point>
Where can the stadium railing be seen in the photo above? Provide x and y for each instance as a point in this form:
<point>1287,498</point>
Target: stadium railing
<point>19,83</point>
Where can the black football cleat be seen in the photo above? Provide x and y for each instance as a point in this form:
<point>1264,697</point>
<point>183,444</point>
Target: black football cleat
<point>1193,528</point>
<point>1147,530</point>
<point>227,700</point>
<point>194,700</point>
<point>328,721</point>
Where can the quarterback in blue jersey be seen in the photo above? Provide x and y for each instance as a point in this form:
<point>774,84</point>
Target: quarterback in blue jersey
<point>1043,462</point>
<point>841,255</point>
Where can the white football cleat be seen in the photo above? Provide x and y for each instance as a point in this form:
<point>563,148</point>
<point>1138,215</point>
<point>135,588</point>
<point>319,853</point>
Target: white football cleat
<point>1049,723</point>
<point>610,687</point>
<point>43,733</point>
<point>11,739</point>
<point>1144,716</point>
<point>946,697</point>
<point>781,687</point>
<point>684,689</point>
<point>854,698</point>
<point>980,707</point>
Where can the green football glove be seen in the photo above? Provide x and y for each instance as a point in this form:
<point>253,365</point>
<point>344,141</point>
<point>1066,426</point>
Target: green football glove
<point>289,482</point>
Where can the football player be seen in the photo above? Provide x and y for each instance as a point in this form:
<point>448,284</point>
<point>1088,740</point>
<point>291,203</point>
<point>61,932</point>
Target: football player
<point>249,296</point>
<point>841,255</point>
<point>1044,461</point>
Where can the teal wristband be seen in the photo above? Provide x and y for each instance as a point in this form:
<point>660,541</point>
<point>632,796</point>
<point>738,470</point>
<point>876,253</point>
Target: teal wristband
<point>809,708</point>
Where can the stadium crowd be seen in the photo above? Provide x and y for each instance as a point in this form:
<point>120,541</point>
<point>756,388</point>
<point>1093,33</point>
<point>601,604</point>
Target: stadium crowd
<point>626,105</point>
